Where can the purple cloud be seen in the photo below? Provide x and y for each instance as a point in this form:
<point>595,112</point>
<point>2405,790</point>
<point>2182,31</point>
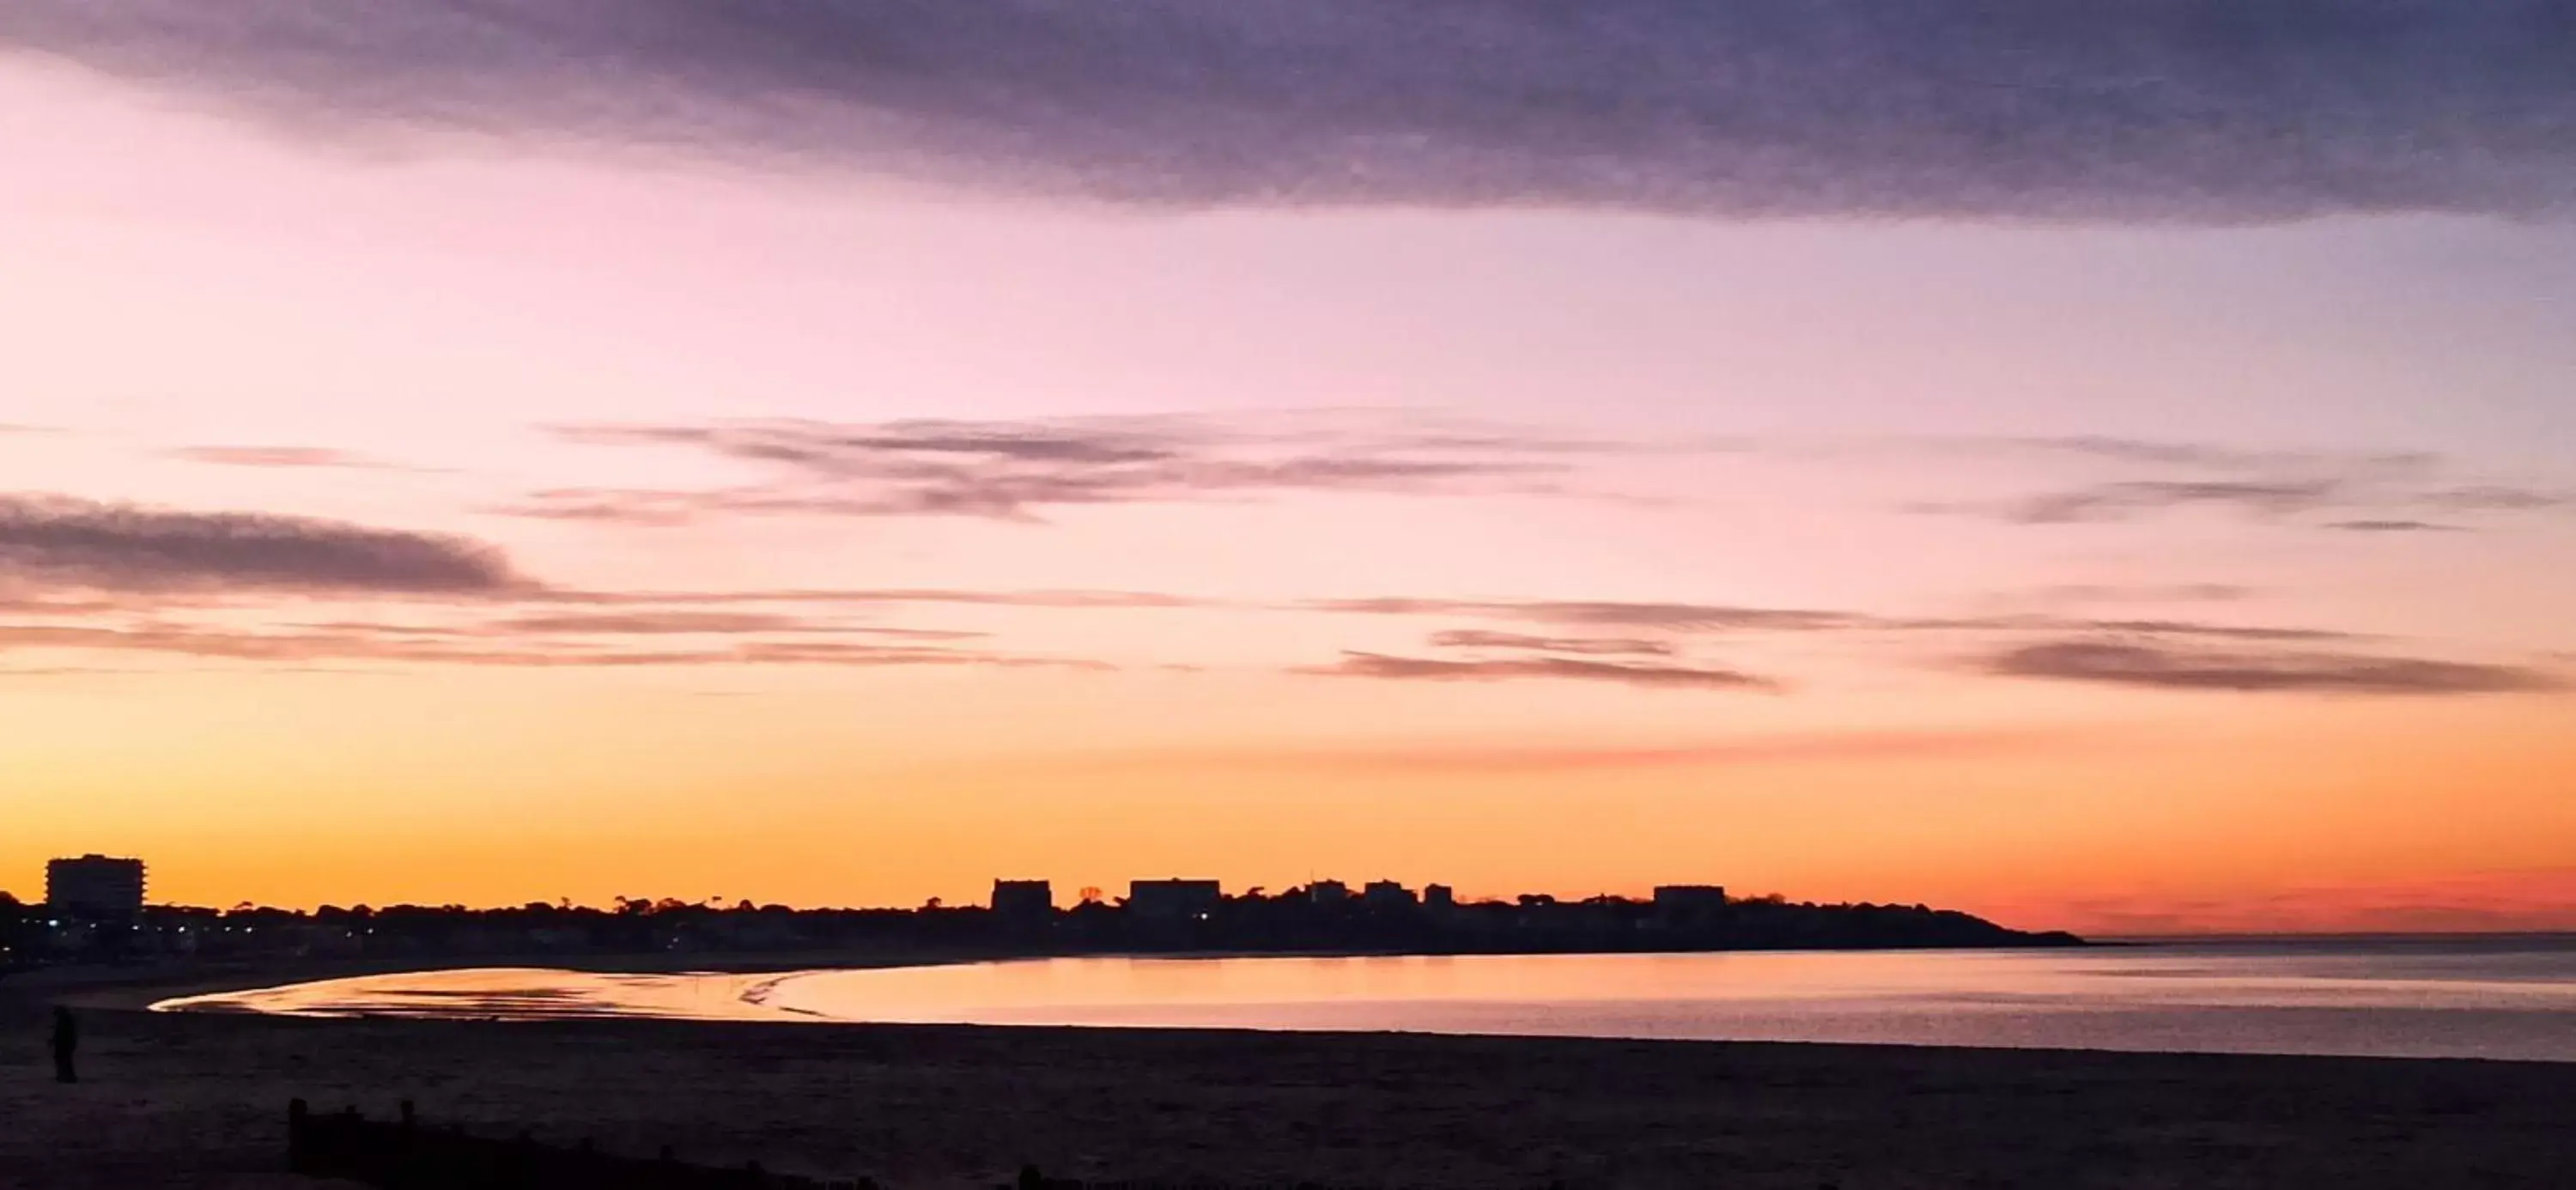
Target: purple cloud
<point>1019,470</point>
<point>2163,667</point>
<point>68,541</point>
<point>2214,111</point>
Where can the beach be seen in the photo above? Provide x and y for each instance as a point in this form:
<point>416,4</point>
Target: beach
<point>200,1100</point>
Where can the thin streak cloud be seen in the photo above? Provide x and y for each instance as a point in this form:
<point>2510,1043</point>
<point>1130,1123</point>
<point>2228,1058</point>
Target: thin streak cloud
<point>1580,646</point>
<point>867,597</point>
<point>283,458</point>
<point>2214,457</point>
<point>1668,677</point>
<point>350,644</point>
<point>681,622</point>
<point>1020,470</point>
<point>1500,758</point>
<point>2498,498</point>
<point>2393,526</point>
<point>2086,593</point>
<point>2163,667</point>
<point>1670,617</point>
<point>1697,618</point>
<point>2121,501</point>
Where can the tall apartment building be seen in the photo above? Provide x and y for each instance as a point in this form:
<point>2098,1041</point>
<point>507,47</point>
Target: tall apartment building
<point>94,886</point>
<point>1023,900</point>
<point>1687,902</point>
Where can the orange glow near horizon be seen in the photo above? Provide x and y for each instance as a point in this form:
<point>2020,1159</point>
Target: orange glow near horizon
<point>2122,827</point>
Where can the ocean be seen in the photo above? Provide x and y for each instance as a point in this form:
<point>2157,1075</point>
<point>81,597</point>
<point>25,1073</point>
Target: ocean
<point>2485,997</point>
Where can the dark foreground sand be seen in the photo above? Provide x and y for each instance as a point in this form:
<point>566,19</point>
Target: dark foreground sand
<point>200,1101</point>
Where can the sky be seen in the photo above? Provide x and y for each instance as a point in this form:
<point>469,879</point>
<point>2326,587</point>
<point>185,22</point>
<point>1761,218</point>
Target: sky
<point>2109,474</point>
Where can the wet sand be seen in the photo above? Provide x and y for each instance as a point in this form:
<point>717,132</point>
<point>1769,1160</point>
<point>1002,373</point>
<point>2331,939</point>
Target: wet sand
<point>199,1100</point>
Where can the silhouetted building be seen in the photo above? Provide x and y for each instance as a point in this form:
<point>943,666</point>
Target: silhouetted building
<point>1387,894</point>
<point>1023,900</point>
<point>1328,892</point>
<point>1685,901</point>
<point>1440,896</point>
<point>1174,900</point>
<point>95,886</point>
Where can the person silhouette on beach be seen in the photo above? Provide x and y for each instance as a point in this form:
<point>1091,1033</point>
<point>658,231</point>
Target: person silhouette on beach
<point>66,1041</point>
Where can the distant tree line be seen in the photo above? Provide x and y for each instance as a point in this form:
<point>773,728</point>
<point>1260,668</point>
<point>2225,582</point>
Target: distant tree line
<point>1292,921</point>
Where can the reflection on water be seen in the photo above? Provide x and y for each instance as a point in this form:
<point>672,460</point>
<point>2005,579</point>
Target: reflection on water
<point>2496,999</point>
<point>514,993</point>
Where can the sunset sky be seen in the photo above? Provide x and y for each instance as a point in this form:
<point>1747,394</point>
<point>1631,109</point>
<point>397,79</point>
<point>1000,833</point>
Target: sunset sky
<point>2114,475</point>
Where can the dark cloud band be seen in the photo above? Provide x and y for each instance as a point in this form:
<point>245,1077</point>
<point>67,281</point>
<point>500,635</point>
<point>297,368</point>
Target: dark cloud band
<point>63,540</point>
<point>2198,110</point>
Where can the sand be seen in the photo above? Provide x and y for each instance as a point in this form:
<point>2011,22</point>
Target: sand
<point>195,1100</point>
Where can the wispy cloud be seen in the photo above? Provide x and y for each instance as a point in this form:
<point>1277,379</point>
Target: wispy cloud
<point>2382,491</point>
<point>66,671</point>
<point>874,596</point>
<point>2131,498</point>
<point>1673,677</point>
<point>2497,498</point>
<point>35,603</point>
<point>1675,619</point>
<point>2391,526</point>
<point>1504,758</point>
<point>2064,594</point>
<point>1023,470</point>
<point>2167,667</point>
<point>2183,628</point>
<point>65,541</point>
<point>1672,617</point>
<point>1018,470</point>
<point>1580,646</point>
<point>2165,452</point>
<point>283,457</point>
<point>2380,505</point>
<point>2202,110</point>
<point>683,622</point>
<point>1698,618</point>
<point>397,644</point>
<point>84,570</point>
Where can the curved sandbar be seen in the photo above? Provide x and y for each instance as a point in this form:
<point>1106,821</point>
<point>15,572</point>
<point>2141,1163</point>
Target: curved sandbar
<point>503,993</point>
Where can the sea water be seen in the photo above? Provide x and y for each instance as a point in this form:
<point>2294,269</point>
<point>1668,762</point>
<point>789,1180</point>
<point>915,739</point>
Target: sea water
<point>2506,998</point>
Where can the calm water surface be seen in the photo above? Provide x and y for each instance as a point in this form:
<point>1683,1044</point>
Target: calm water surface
<point>2503,998</point>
